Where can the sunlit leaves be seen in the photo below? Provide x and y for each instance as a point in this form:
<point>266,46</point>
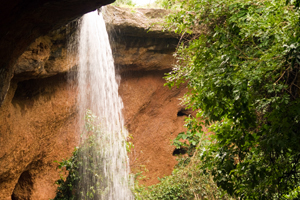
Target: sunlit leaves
<point>241,64</point>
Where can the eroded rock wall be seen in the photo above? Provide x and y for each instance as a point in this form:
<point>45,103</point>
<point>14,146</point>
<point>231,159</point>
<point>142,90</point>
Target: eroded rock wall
<point>37,128</point>
<point>22,21</point>
<point>48,55</point>
<point>151,113</point>
<point>38,119</point>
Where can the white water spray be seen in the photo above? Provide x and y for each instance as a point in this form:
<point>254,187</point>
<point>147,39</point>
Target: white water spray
<point>98,92</point>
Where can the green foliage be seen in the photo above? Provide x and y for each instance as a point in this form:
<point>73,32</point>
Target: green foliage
<point>85,161</point>
<point>165,4</point>
<point>129,144</point>
<point>293,195</point>
<point>66,187</point>
<point>124,3</point>
<point>193,136</point>
<point>131,4</point>
<point>186,182</point>
<point>241,63</point>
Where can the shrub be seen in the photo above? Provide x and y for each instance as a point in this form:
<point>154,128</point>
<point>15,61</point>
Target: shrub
<point>188,181</point>
<point>241,62</point>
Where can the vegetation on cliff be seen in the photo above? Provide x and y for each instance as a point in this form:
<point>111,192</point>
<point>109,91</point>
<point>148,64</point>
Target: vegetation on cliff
<point>188,181</point>
<point>84,163</point>
<point>240,60</point>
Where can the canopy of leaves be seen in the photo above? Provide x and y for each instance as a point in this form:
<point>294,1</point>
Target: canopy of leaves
<point>184,184</point>
<point>187,182</point>
<point>241,63</point>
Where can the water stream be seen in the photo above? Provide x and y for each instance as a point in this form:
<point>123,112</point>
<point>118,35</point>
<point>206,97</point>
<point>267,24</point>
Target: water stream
<point>101,105</point>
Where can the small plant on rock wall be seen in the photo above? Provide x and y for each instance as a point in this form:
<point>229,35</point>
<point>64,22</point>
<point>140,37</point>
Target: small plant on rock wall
<point>84,163</point>
<point>67,186</point>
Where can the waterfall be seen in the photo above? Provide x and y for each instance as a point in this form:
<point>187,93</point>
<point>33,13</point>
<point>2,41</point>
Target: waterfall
<point>105,166</point>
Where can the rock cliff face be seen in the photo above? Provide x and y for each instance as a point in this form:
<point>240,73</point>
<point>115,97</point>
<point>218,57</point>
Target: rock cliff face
<point>139,33</point>
<point>22,21</point>
<point>38,116</point>
<point>47,56</point>
<point>37,128</point>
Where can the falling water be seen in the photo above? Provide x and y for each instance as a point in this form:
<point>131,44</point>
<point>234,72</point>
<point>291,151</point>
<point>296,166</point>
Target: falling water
<point>98,94</point>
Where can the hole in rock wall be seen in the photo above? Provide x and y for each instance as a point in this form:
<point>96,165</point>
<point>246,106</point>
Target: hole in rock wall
<point>182,113</point>
<point>23,189</point>
<point>33,88</point>
<point>29,91</point>
<point>180,151</point>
